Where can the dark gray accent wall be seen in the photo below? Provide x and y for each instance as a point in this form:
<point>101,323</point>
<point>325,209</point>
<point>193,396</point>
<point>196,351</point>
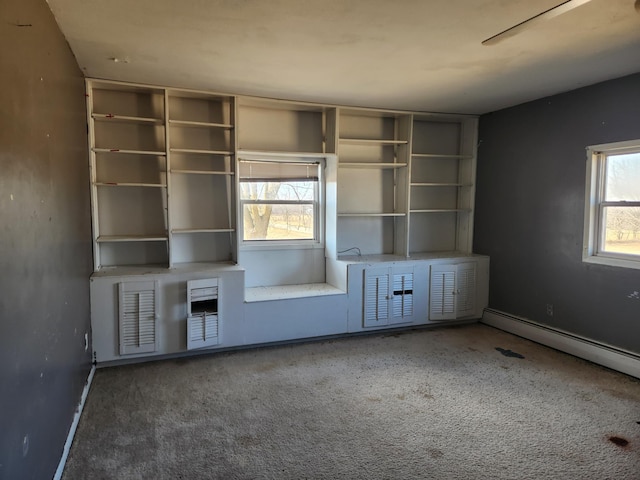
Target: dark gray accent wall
<point>45,235</point>
<point>530,211</point>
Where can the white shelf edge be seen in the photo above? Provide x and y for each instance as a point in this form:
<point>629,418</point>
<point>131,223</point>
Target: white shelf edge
<point>110,117</point>
<point>200,172</point>
<point>195,124</point>
<point>371,165</point>
<point>131,238</point>
<point>435,184</point>
<point>132,152</point>
<point>202,230</point>
<point>372,141</point>
<point>282,154</point>
<point>126,184</point>
<point>441,155</point>
<point>226,153</point>
<point>372,214</point>
<point>439,210</point>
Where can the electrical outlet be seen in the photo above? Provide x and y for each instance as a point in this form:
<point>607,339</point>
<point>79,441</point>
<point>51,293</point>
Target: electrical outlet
<point>549,309</point>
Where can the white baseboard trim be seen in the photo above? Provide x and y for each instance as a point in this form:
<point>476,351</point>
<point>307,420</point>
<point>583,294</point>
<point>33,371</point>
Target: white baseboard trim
<point>596,352</point>
<point>74,425</point>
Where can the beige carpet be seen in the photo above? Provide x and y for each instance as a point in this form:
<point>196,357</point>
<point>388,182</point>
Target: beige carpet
<point>425,404</point>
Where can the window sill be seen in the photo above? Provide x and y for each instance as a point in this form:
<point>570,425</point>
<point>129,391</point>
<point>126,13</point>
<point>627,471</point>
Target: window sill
<point>283,292</point>
<point>612,262</point>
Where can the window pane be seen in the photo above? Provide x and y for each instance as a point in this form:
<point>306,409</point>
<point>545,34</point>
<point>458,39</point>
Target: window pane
<point>289,190</point>
<point>623,177</point>
<point>278,222</point>
<point>622,230</point>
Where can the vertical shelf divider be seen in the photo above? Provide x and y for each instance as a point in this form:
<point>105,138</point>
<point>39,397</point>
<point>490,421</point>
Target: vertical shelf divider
<point>167,144</point>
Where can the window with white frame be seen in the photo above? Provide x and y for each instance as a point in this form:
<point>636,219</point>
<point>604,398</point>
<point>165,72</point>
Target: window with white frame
<point>612,206</point>
<point>280,201</point>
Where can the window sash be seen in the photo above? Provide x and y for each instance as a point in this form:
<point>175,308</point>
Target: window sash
<point>255,171</point>
<point>601,158</point>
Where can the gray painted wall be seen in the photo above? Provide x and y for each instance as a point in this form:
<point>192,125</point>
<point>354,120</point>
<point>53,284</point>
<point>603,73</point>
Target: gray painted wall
<point>45,234</point>
<point>530,207</point>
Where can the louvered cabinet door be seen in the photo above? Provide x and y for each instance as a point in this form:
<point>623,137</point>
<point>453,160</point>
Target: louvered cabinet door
<point>376,297</point>
<point>452,292</point>
<point>442,289</point>
<point>138,314</point>
<point>466,290</point>
<point>402,298</point>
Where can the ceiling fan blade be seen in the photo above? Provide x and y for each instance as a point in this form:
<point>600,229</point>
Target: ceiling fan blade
<point>553,12</point>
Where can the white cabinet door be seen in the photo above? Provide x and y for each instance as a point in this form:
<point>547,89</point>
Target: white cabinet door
<point>465,290</point>
<point>452,291</point>
<point>137,315</point>
<point>388,296</point>
<point>402,296</point>
<point>202,313</point>
<point>376,297</point>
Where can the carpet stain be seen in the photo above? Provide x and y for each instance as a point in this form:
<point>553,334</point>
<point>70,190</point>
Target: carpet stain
<point>402,396</point>
<point>247,441</point>
<point>266,367</point>
<point>619,441</point>
<point>374,399</point>
<point>509,353</point>
<point>435,453</point>
<point>425,393</point>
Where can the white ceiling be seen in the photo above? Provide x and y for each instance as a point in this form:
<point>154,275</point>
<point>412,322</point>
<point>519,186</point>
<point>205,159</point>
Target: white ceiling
<point>398,54</point>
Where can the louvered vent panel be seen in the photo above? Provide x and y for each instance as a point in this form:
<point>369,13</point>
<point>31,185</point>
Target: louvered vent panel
<point>204,292</point>
<point>403,295</point>
<point>376,303</point>
<point>137,317</point>
<point>442,298</point>
<point>202,331</point>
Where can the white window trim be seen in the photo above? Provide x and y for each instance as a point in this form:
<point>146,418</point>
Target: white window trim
<point>319,241</point>
<point>593,199</point>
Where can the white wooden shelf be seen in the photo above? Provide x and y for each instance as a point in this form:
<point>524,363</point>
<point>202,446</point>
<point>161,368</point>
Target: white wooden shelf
<point>366,141</point>
<point>126,119</point>
<point>256,154</point>
<point>131,152</point>
<point>200,172</point>
<point>201,152</point>
<point>193,124</point>
<point>441,155</point>
<point>378,165</point>
<point>440,210</point>
<point>372,214</point>
<point>129,184</point>
<point>202,230</point>
<point>440,184</point>
<point>131,238</point>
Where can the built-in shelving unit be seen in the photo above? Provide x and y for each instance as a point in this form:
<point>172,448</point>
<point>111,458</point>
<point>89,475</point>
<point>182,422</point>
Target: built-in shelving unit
<point>162,163</point>
<point>164,174</point>
<point>441,184</point>
<point>373,153</point>
<point>201,146</point>
<point>128,174</point>
<point>392,202</point>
